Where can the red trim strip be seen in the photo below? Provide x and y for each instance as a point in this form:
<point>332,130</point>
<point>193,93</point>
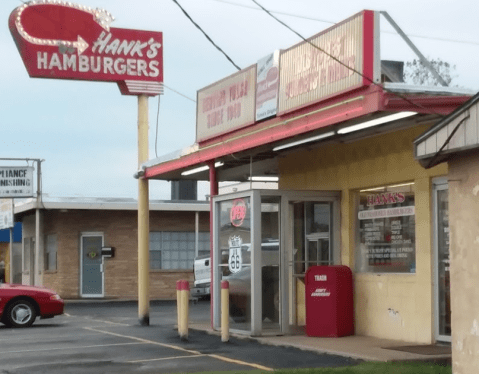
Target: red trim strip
<point>368,47</point>
<point>255,140</point>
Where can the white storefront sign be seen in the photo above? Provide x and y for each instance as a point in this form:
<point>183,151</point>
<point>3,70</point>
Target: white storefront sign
<point>310,74</point>
<point>267,85</point>
<point>6,213</point>
<point>226,105</point>
<point>16,181</point>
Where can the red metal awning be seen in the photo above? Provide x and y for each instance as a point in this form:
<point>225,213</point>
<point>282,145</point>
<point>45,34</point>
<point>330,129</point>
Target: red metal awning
<point>256,142</point>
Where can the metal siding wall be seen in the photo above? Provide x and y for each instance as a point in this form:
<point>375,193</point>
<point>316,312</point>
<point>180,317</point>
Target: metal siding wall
<point>421,149</point>
<point>431,144</point>
<point>441,138</point>
<point>458,140</point>
<point>472,127</point>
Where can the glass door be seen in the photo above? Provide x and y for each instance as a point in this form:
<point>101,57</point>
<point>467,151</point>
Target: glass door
<point>233,249</point>
<point>261,249</point>
<point>442,281</point>
<point>315,231</point>
<point>270,263</point>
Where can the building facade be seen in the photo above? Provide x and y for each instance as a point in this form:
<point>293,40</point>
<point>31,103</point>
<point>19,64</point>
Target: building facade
<point>89,247</point>
<point>454,141</point>
<point>338,134</point>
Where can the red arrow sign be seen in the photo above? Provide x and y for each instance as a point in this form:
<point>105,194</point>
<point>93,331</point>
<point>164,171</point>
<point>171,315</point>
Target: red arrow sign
<point>69,41</point>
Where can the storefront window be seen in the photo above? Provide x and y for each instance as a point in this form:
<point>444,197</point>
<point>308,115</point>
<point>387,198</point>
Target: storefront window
<point>386,240</point>
<point>50,252</point>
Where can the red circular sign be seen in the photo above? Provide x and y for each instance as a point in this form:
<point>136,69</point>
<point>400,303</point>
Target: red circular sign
<point>238,212</point>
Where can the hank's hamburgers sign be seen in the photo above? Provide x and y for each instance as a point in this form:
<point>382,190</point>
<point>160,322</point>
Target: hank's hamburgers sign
<point>70,41</point>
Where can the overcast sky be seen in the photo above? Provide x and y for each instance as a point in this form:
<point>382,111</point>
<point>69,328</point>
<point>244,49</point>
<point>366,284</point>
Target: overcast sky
<point>87,131</point>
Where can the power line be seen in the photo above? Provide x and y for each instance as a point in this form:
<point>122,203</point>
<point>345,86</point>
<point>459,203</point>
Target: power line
<point>179,93</point>
<point>346,66</point>
<point>276,12</point>
<point>206,35</point>
<point>332,23</point>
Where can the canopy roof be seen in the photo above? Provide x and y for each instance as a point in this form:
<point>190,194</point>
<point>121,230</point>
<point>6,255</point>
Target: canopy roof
<point>253,150</point>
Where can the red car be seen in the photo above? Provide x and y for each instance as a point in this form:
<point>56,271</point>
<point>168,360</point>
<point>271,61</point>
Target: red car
<point>20,305</point>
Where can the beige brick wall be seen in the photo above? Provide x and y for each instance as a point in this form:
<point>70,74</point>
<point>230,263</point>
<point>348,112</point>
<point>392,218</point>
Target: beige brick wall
<point>464,255</point>
<point>377,161</point>
<point>120,231</point>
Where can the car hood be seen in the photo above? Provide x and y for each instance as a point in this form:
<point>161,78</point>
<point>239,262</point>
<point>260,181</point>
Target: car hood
<point>22,287</point>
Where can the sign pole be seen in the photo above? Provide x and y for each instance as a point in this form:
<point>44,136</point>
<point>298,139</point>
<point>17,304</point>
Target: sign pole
<point>38,273</point>
<point>10,261</point>
<point>143,217</point>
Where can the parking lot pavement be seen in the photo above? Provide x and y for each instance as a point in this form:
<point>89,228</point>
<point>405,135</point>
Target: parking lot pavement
<point>107,338</point>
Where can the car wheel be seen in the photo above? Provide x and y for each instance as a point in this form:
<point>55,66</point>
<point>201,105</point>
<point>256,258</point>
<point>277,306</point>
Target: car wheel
<point>21,313</point>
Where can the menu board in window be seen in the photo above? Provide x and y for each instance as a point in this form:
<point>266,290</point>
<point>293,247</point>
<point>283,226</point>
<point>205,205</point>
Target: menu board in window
<point>386,230</point>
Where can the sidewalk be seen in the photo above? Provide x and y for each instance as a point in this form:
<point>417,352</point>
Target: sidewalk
<point>357,347</point>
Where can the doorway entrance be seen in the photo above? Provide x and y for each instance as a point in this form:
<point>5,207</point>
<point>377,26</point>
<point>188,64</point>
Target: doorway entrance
<point>91,264</point>
<point>441,250</point>
<point>264,241</point>
<point>315,233</point>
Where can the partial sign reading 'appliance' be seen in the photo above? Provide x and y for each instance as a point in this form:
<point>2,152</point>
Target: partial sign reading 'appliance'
<point>16,181</point>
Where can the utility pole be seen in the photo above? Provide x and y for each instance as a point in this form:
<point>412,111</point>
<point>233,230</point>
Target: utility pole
<point>143,217</point>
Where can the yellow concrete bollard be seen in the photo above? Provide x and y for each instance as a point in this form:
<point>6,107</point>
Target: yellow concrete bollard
<point>225,311</point>
<point>184,306</point>
<point>178,304</point>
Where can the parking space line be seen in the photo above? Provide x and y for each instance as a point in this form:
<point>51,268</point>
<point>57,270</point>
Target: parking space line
<point>239,362</point>
<point>165,358</point>
<point>65,348</point>
<point>144,341</point>
<point>109,322</point>
<point>195,353</point>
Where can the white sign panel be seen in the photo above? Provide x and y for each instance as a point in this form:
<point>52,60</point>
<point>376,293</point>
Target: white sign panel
<point>235,260</point>
<point>226,105</point>
<point>16,181</point>
<point>6,213</point>
<point>309,75</point>
<point>267,85</point>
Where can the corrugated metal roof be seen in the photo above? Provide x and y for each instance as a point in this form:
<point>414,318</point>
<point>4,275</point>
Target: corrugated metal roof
<point>426,90</point>
<point>446,120</point>
<point>457,132</point>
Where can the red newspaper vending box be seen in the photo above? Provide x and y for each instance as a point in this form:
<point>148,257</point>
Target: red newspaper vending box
<point>329,301</point>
